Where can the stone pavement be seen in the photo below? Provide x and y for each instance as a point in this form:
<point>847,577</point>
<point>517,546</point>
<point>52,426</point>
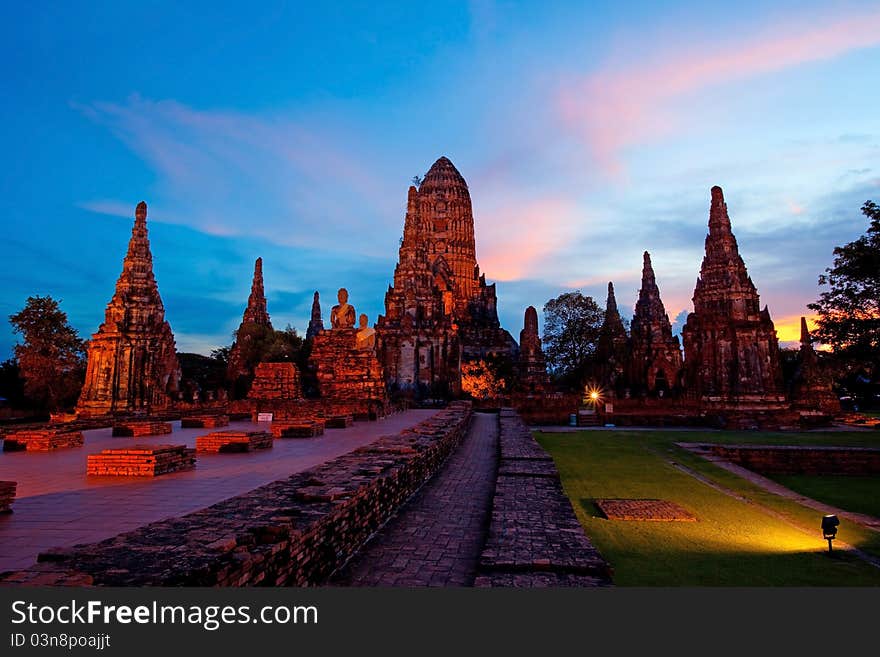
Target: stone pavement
<point>58,505</point>
<point>437,537</point>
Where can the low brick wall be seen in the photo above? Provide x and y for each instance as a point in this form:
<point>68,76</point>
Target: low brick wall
<point>42,440</point>
<point>549,409</point>
<point>141,461</point>
<point>204,421</point>
<point>534,537</point>
<point>138,429</point>
<point>785,459</point>
<point>295,531</point>
<point>234,441</point>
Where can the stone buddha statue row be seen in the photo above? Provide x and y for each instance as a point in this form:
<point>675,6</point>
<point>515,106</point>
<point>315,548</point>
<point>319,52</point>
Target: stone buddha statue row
<point>342,317</point>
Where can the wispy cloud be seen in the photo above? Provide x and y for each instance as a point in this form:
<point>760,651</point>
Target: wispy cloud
<point>232,173</point>
<point>619,106</point>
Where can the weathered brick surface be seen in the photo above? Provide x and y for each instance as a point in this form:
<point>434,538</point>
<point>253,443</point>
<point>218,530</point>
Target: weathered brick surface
<point>234,441</point>
<point>141,461</point>
<point>7,495</point>
<point>138,429</point>
<point>297,428</point>
<point>42,440</point>
<point>654,510</point>
<point>340,421</point>
<point>132,361</point>
<point>276,382</point>
<point>793,459</point>
<point>529,580</point>
<point>204,421</point>
<point>351,380</point>
<point>294,531</point>
<point>534,536</point>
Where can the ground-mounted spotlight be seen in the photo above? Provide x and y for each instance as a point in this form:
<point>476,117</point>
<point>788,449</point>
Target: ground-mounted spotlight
<point>829,529</point>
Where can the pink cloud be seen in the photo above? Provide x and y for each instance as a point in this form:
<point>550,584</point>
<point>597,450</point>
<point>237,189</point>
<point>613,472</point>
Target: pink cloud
<point>616,107</point>
<point>516,235</point>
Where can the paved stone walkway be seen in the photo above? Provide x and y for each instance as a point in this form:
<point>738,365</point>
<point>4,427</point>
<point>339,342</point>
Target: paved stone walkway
<point>436,539</point>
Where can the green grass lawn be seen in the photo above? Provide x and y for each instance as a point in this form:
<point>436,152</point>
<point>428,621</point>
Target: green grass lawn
<point>859,494</point>
<point>733,543</point>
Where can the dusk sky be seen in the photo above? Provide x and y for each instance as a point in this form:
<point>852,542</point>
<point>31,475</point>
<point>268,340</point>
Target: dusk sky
<point>587,133</point>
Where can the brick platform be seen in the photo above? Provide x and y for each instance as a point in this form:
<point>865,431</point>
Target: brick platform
<point>138,429</point>
<point>7,495</point>
<point>295,531</point>
<point>534,537</point>
<point>653,510</point>
<point>339,421</point>
<point>234,441</point>
<point>42,440</point>
<point>204,421</point>
<point>141,461</point>
<point>297,428</point>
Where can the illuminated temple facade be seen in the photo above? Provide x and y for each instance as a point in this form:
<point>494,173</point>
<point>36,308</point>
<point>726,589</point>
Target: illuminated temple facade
<point>439,311</point>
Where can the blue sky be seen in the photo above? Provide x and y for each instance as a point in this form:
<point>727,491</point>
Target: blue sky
<point>588,132</point>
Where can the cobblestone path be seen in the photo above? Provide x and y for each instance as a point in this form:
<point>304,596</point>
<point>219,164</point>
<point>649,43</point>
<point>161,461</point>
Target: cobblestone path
<point>436,538</point>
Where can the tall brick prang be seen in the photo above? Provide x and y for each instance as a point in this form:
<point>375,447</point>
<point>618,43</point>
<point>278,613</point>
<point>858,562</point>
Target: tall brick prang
<point>612,348</point>
<point>254,322</point>
<point>440,310</point>
<point>532,364</point>
<point>811,390</point>
<point>132,359</point>
<point>316,323</point>
<point>731,349</point>
<point>655,353</point>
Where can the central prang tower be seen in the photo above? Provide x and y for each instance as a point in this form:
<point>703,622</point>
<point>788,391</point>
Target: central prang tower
<point>439,311</point>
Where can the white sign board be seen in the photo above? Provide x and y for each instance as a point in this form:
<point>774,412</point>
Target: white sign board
<point>264,417</point>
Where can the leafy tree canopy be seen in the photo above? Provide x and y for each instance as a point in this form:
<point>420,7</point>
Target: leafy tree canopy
<point>849,310</point>
<point>51,357</point>
<point>572,324</point>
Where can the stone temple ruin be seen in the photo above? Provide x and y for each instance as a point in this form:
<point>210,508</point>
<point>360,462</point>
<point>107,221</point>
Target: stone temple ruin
<point>132,360</point>
<point>440,312</point>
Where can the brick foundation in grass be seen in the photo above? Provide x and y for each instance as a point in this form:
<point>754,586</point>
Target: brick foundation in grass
<point>293,532</point>
<point>42,440</point>
<point>654,510</point>
<point>234,441</point>
<point>534,537</point>
<point>141,461</point>
<point>7,495</point>
<point>139,429</point>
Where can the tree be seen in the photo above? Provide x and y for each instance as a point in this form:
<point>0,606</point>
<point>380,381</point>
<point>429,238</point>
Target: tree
<point>572,323</point>
<point>849,311</point>
<point>52,357</point>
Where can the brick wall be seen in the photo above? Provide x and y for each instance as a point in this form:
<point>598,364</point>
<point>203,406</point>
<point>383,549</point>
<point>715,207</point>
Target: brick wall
<point>534,537</point>
<point>785,459</point>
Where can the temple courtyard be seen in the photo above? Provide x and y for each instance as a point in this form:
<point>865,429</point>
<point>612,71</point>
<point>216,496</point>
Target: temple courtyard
<point>651,507</point>
<point>58,505</point>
